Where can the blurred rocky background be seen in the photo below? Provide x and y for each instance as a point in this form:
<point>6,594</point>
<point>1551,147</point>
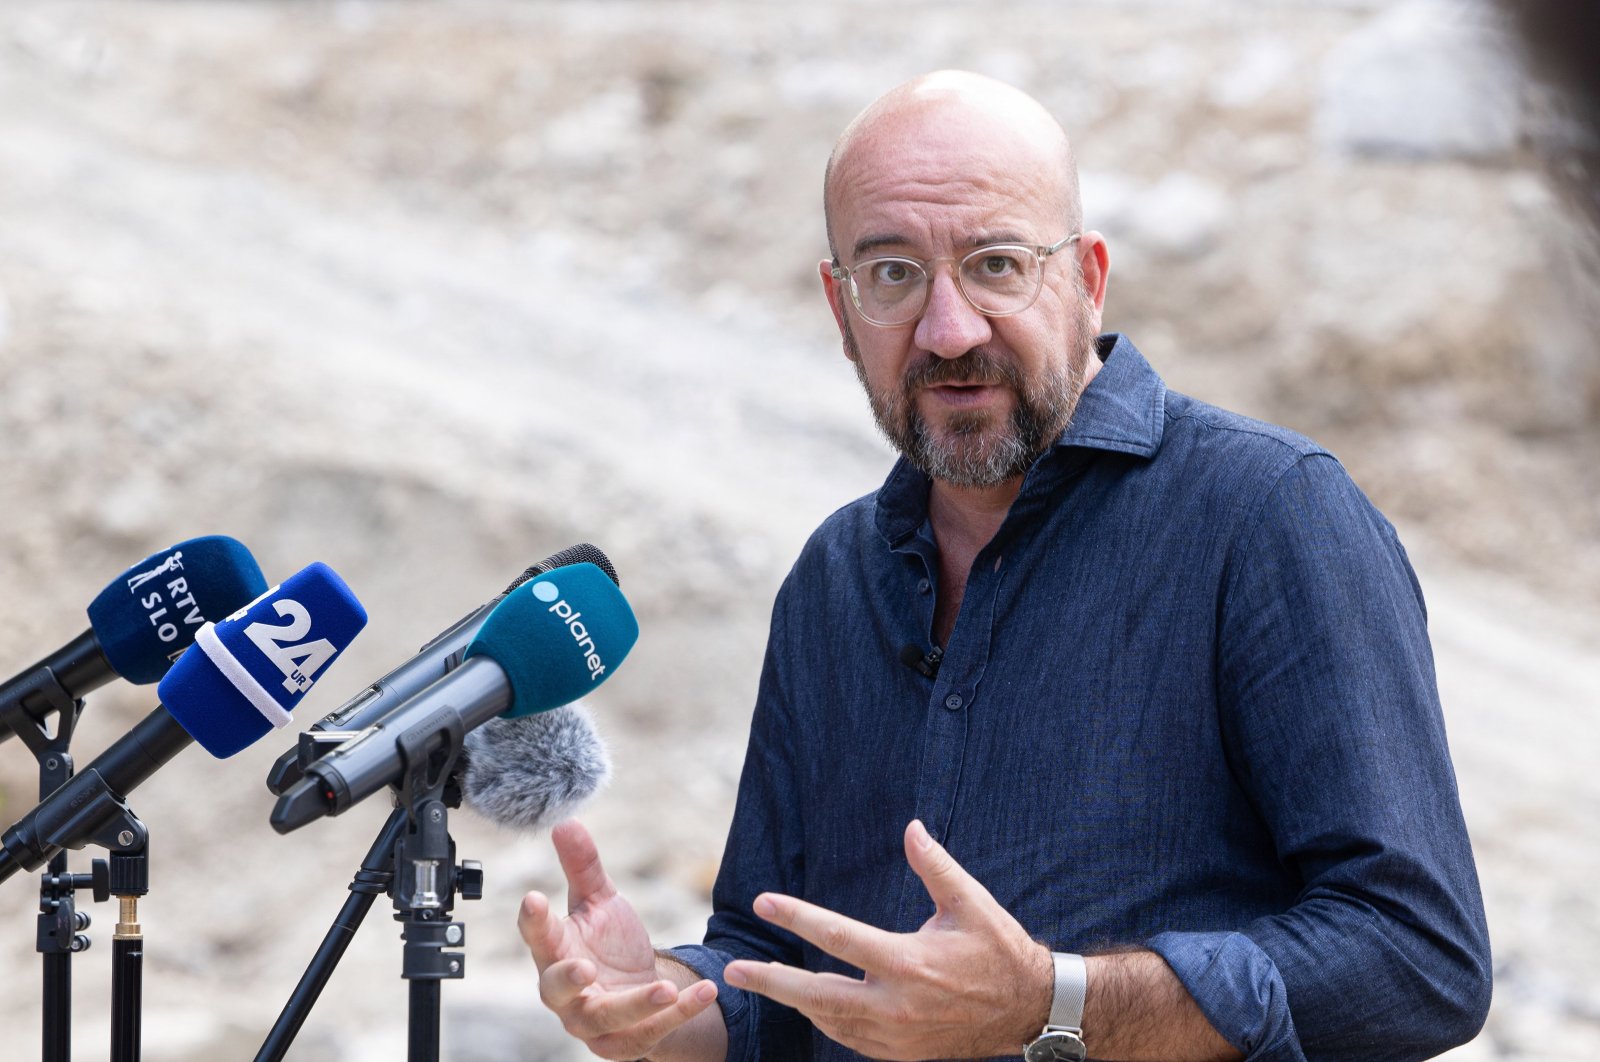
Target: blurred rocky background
<point>430,290</point>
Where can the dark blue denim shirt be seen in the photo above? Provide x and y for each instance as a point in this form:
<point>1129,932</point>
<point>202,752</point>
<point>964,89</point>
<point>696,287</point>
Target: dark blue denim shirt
<point>1188,704</point>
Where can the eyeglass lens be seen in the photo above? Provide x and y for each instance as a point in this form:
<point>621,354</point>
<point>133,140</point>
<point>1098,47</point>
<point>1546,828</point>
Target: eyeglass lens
<point>996,280</point>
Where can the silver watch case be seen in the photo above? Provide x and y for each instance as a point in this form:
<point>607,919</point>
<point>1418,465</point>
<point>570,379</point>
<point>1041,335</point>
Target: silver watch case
<point>1058,1043</point>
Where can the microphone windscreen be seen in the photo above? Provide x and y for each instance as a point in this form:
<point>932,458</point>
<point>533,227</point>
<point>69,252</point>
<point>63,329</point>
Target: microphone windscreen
<point>253,669</point>
<point>149,614</point>
<point>557,637</point>
<point>530,773</point>
<point>577,554</point>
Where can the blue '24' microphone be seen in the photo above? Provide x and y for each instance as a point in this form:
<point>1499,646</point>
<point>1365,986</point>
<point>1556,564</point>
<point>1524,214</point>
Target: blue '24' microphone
<point>547,643</point>
<point>247,674</point>
<point>138,625</point>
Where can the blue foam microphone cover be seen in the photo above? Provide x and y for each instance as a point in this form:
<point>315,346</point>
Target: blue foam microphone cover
<point>557,637</point>
<point>249,672</point>
<point>149,614</point>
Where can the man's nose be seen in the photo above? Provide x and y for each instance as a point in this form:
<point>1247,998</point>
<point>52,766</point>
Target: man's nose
<point>949,326</point>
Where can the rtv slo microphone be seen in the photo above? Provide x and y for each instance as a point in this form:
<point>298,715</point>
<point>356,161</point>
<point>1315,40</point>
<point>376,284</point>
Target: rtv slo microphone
<point>246,675</point>
<point>138,625</point>
<point>548,643</point>
<point>432,661</point>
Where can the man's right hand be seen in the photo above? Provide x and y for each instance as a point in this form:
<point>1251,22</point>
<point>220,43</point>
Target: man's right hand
<point>598,972</point>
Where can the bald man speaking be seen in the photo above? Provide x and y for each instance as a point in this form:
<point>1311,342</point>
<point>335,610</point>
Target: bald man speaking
<point>1107,728</point>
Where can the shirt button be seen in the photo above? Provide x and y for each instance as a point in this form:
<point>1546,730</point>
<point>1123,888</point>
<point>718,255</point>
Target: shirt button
<point>923,586</point>
<point>953,701</point>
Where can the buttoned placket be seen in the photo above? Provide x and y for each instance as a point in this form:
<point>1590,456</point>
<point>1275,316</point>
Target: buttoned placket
<point>946,715</point>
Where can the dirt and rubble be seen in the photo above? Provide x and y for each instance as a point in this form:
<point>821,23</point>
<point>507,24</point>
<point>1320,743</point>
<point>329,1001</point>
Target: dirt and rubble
<point>430,290</point>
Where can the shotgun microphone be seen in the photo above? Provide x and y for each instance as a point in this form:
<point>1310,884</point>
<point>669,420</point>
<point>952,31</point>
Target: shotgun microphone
<point>432,661</point>
<point>548,643</point>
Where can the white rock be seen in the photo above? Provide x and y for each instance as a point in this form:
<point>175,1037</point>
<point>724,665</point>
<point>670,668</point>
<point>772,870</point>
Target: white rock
<point>1426,80</point>
<point>1110,201</point>
<point>1178,215</point>
<point>1265,66</point>
<point>1181,214</point>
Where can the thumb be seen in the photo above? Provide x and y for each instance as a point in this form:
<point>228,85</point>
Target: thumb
<point>587,880</point>
<point>540,929</point>
<point>955,893</point>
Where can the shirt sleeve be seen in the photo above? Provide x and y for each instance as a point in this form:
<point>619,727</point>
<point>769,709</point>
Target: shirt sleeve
<point>764,853</point>
<point>1332,725</point>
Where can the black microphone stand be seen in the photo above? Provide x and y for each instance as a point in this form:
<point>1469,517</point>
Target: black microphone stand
<point>129,880</point>
<point>61,924</point>
<point>99,815</point>
<point>413,861</point>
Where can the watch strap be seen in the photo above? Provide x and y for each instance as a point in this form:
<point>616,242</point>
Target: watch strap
<point>1072,981</point>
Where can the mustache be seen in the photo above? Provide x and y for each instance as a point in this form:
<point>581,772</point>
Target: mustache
<point>973,367</point>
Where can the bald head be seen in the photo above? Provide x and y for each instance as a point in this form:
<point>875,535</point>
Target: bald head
<point>951,121</point>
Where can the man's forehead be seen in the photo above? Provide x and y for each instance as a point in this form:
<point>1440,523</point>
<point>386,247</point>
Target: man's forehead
<point>962,215</point>
<point>963,191</point>
<point>950,152</point>
<point>931,131</point>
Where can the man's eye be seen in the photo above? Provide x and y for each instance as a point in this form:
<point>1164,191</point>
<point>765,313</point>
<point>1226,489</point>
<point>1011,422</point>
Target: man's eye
<point>997,265</point>
<point>892,273</point>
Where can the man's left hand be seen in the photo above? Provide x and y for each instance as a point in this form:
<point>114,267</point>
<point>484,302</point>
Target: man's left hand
<point>970,983</point>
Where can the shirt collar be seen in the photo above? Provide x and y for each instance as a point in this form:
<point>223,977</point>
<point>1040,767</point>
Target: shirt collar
<point>1122,411</point>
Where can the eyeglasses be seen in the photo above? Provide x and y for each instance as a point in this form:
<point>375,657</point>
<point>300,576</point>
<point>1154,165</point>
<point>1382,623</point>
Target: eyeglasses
<point>997,281</point>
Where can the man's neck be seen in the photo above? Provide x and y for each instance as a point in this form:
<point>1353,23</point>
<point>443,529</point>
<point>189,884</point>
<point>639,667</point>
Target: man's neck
<point>965,518</point>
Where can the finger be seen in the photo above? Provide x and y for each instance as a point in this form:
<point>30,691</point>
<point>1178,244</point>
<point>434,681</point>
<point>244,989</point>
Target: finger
<point>561,983</point>
<point>580,861</point>
<point>540,930</point>
<point>597,1011</point>
<point>953,890</point>
<point>857,1036</point>
<point>862,946</point>
<point>642,1037</point>
<point>816,995</point>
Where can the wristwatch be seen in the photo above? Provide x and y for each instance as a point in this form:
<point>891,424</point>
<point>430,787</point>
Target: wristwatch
<point>1062,1039</point>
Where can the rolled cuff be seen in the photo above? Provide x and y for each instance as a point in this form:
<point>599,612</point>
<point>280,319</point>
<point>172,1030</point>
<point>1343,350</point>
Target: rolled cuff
<point>737,1005</point>
<point>1239,990</point>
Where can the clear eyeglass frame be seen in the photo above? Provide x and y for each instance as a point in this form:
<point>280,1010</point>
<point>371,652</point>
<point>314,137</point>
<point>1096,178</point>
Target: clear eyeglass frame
<point>847,276</point>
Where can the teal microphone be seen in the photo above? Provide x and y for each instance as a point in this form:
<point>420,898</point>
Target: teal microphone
<point>549,642</point>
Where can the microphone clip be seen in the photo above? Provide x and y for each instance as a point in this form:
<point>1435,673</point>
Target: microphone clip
<point>924,664</point>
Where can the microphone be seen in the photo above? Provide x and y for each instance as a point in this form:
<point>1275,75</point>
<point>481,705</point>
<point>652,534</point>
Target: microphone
<point>248,673</point>
<point>532,772</point>
<point>138,625</point>
<point>925,664</point>
<point>433,660</point>
<point>549,642</point>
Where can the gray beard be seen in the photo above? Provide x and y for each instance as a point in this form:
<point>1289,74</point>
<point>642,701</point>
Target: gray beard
<point>979,449</point>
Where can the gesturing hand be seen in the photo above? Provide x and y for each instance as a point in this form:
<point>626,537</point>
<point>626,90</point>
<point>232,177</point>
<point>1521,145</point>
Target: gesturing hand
<point>969,983</point>
<point>597,970</point>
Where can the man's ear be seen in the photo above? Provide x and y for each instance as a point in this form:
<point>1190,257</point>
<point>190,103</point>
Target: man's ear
<point>1094,266</point>
<point>835,292</point>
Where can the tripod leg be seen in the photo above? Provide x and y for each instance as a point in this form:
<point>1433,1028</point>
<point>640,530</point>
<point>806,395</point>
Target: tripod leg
<point>370,881</point>
<point>305,994</point>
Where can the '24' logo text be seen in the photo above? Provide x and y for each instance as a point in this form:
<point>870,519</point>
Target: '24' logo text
<point>280,643</point>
